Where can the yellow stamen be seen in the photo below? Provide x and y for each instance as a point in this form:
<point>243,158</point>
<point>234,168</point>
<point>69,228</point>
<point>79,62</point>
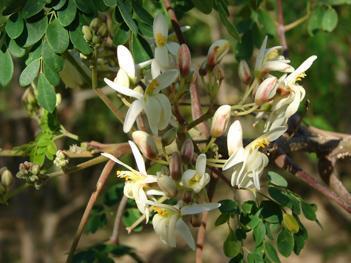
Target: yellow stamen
<point>300,76</point>
<point>129,176</point>
<point>160,211</point>
<point>195,179</point>
<point>273,54</point>
<point>160,40</point>
<point>152,86</point>
<point>260,143</point>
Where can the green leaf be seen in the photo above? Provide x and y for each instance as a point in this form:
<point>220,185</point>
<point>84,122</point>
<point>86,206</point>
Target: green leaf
<point>259,233</point>
<point>266,20</point>
<point>29,73</point>
<point>309,211</point>
<point>278,195</point>
<point>127,17</point>
<point>57,36</point>
<point>271,253</point>
<point>290,223</point>
<point>16,50</point>
<point>315,20</point>
<point>34,32</point>
<point>299,240</point>
<point>78,41</point>
<point>110,3</point>
<point>52,75</point>
<point>14,26</point>
<point>227,24</point>
<point>145,30</point>
<point>253,222</point>
<point>285,242</point>
<point>271,212</point>
<point>86,6</point>
<point>223,218</point>
<point>32,7</point>
<point>330,20</point>
<point>142,13</point>
<point>277,179</point>
<point>228,206</point>
<point>66,15</point>
<point>121,37</point>
<point>51,58</point>
<point>34,54</point>
<point>140,49</point>
<point>60,4</point>
<point>231,246</point>
<point>46,93</point>
<point>248,207</point>
<point>130,216</point>
<point>205,6</point>
<point>6,68</point>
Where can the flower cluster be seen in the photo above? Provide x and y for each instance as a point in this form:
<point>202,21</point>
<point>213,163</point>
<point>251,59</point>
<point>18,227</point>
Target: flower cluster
<point>152,90</point>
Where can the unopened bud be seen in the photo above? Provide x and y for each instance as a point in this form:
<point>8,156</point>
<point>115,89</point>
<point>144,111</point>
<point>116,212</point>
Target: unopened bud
<point>175,166</point>
<point>187,151</point>
<point>244,72</point>
<point>145,143</point>
<point>203,68</point>
<point>95,23</point>
<point>169,136</point>
<point>266,90</point>
<point>102,30</point>
<point>220,121</point>
<point>87,34</point>
<point>184,60</point>
<point>95,39</point>
<point>167,185</point>
<point>196,220</point>
<point>6,178</point>
<point>217,51</point>
<point>187,197</point>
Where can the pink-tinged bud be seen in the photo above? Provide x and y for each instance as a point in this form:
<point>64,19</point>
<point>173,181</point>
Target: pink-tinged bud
<point>220,121</point>
<point>167,185</point>
<point>217,51</point>
<point>266,90</point>
<point>187,197</point>
<point>145,143</point>
<point>169,136</point>
<point>175,166</point>
<point>6,178</point>
<point>244,72</point>
<point>203,68</point>
<point>187,151</point>
<point>184,60</point>
<point>234,138</point>
<point>196,220</point>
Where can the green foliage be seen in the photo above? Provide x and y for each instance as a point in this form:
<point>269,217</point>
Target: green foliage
<point>6,68</point>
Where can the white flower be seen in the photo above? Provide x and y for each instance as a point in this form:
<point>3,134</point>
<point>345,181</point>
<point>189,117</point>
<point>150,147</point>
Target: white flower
<point>137,185</point>
<point>168,221</point>
<point>196,179</point>
<point>284,108</point>
<point>155,104</point>
<point>247,164</point>
<point>160,30</point>
<point>270,60</point>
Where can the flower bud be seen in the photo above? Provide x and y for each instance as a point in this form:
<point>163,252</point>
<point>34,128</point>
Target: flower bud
<point>175,166</point>
<point>187,151</point>
<point>87,34</point>
<point>95,39</point>
<point>145,143</point>
<point>266,90</point>
<point>217,51</point>
<point>169,136</point>
<point>234,138</point>
<point>102,30</point>
<point>244,72</point>
<point>184,60</point>
<point>220,121</point>
<point>167,185</point>
<point>95,23</point>
<point>6,178</point>
<point>187,197</point>
<point>203,68</point>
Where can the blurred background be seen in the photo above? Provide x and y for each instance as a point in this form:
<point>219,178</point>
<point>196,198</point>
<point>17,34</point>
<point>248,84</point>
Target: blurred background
<point>38,225</point>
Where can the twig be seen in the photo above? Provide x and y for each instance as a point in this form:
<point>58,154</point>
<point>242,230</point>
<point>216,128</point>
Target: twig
<point>99,187</point>
<point>280,27</point>
<point>116,226</point>
<point>174,20</point>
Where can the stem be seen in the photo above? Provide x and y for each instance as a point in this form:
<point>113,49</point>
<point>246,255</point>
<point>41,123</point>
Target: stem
<point>174,20</point>
<point>199,120</point>
<point>280,27</point>
<point>248,92</point>
<point>115,232</point>
<point>242,113</point>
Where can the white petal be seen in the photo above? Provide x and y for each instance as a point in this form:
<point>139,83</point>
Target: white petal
<point>261,53</point>
<point>126,61</point>
<point>234,159</point>
<point>186,177</point>
<point>201,164</point>
<point>236,174</point>
<point>198,208</point>
<point>234,138</point>
<point>171,233</point>
<point>153,112</point>
<point>122,78</point>
<point>160,27</point>
<point>301,69</point>
<point>160,225</point>
<point>277,65</point>
<point>111,157</point>
<point>166,110</point>
<point>173,48</point>
<point>166,79</point>
<point>161,57</point>
<point>155,192</point>
<point>132,113</point>
<point>155,69</point>
<point>185,233</point>
<point>138,158</point>
<point>123,90</point>
<point>275,133</point>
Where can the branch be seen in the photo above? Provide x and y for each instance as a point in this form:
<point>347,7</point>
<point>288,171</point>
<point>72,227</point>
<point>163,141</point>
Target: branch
<point>174,20</point>
<point>281,28</point>
<point>99,187</point>
<point>116,226</point>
